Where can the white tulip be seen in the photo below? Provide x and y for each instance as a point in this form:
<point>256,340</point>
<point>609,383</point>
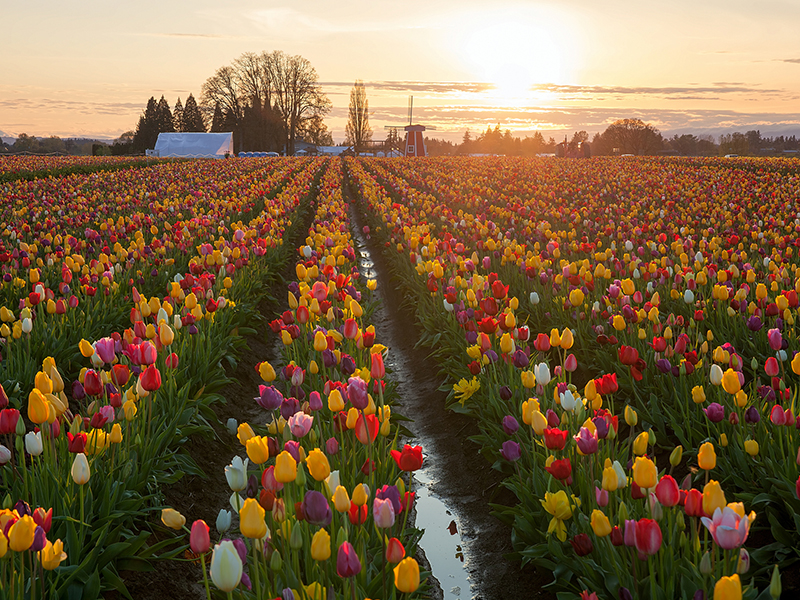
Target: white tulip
<point>33,443</point>
<point>226,566</point>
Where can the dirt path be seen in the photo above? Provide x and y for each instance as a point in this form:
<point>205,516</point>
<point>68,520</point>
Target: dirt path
<point>455,473</point>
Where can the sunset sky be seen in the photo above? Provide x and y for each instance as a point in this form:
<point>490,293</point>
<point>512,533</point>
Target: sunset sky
<point>706,66</point>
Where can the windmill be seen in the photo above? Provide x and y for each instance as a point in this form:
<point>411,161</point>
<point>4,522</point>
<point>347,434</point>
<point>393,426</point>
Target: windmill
<point>415,142</point>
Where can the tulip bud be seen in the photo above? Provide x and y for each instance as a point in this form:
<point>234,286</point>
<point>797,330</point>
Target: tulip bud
<point>223,523</point>
<point>775,587</point>
<point>676,455</point>
<point>705,564</point>
<point>743,566</point>
<point>631,418</point>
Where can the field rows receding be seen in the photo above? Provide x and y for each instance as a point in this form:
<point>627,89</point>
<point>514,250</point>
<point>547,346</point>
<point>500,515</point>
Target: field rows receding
<point>621,332</point>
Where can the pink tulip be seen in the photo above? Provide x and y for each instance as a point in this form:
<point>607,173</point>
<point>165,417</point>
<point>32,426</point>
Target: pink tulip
<point>300,424</point>
<point>667,491</point>
<point>199,540</point>
<point>728,529</point>
<point>775,339</point>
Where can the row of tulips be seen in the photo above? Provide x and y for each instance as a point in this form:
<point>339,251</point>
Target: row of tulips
<point>323,495</point>
<point>35,167</point>
<point>92,446</point>
<point>577,474</point>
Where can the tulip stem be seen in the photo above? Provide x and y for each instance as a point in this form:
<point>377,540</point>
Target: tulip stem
<point>82,524</point>
<point>205,574</point>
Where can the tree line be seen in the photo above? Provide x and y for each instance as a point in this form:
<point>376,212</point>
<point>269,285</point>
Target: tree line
<point>625,136</point>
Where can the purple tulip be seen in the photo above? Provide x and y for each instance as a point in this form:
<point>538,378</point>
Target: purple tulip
<point>506,393</point>
<point>39,539</point>
<point>316,509</point>
<point>270,398</point>
<point>347,563</point>
<point>510,451</point>
<point>357,393</point>
<point>754,323</point>
<point>587,443</point>
<point>332,446</point>
<point>293,448</point>
<point>77,390</point>
<point>602,427</point>
<point>715,412</point>
<point>328,359</point>
<point>751,415</point>
<point>315,401</point>
<point>510,425</point>
<point>289,406</point>
<point>389,492</point>
<point>521,359</point>
<point>348,365</point>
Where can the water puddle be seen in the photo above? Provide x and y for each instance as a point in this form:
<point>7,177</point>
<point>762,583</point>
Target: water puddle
<point>441,541</point>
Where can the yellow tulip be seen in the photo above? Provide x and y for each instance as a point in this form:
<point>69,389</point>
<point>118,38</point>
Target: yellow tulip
<point>567,340</point>
<point>38,407</point>
<point>115,437</point>
<point>555,338</point>
<point>129,407</point>
<point>406,575</point>
<point>360,494</point>
<point>86,348</point>
<point>640,444</point>
<point>52,555</point>
<point>506,344</point>
<point>20,535</point>
<point>285,468</point>
<point>644,472</point>
<point>320,341</point>
<point>707,457</point>
<point>341,501</point>
<point>321,545</point>
<point>251,520</point>
<point>713,497</point>
<point>257,449</point>
<point>609,479</point>
<point>751,447</point>
<point>698,394</point>
<point>318,465</point>
<point>266,371</point>
<point>728,588</point>
<point>165,334</point>
<point>600,523</point>
<point>631,418</point>
<point>244,433</point>
<point>538,422</point>
<point>619,323</point>
<point>172,518</point>
<point>730,381</point>
<point>43,383</point>
<point>576,297</point>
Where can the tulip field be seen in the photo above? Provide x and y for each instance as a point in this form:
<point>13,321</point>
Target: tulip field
<point>621,331</point>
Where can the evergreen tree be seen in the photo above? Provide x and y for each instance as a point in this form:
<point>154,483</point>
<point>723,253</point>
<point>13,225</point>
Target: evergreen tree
<point>217,121</point>
<point>192,117</point>
<point>164,117</point>
<point>147,128</point>
<point>177,116</point>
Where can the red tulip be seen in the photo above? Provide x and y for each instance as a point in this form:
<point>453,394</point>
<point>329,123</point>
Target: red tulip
<point>151,379</point>
<point>395,551</point>
<point>582,544</point>
<point>367,427</point>
<point>120,374</point>
<point>43,519</point>
<point>771,367</point>
<point>377,369</point>
<point>560,469</point>
<point>667,491</point>
<point>357,514</point>
<point>8,420</point>
<point>648,537</point>
<point>410,459</point>
<point>92,384</point>
<point>555,439</point>
<point>694,503</point>
<point>199,540</point>
<point>172,361</point>
<point>542,342</point>
<point>77,442</point>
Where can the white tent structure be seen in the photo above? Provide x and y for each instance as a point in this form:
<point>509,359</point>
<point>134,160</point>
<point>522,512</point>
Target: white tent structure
<point>194,145</point>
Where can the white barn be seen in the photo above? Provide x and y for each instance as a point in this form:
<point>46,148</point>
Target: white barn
<point>194,145</point>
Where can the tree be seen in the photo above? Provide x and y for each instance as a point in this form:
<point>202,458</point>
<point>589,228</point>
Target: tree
<point>123,144</point>
<point>685,145</point>
<point>299,96</point>
<point>223,91</point>
<point>164,117</point>
<point>358,132</point>
<point>192,118</point>
<point>316,132</point>
<point>217,119</point>
<point>393,141</point>
<point>177,116</point>
<point>633,136</point>
<point>147,128</point>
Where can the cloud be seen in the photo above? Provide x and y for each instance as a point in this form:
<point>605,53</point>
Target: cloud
<point>677,91</point>
<point>442,87</point>
<point>790,60</point>
<point>203,36</point>
<point>47,105</point>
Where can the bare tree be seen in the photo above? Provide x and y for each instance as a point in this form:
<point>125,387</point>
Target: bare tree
<point>358,132</point>
<point>224,89</point>
<point>299,96</point>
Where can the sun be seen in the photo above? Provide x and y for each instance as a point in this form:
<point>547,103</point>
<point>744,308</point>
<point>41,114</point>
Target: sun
<point>515,52</point>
